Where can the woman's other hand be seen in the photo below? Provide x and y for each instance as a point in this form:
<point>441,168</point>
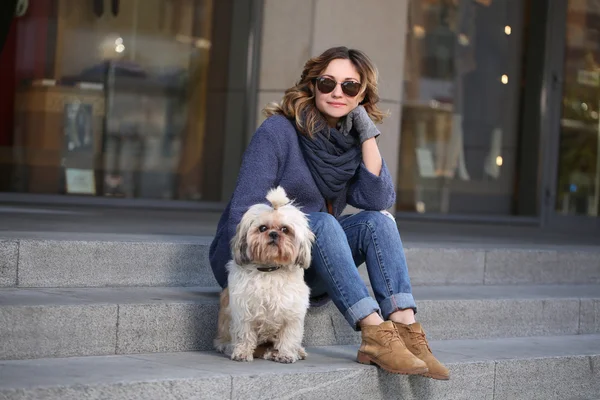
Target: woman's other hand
<point>363,124</point>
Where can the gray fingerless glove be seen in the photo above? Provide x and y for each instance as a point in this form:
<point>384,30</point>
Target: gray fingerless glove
<point>359,120</point>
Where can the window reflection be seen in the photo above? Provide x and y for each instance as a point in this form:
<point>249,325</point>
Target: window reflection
<point>579,164</point>
<point>111,98</point>
<point>460,107</point>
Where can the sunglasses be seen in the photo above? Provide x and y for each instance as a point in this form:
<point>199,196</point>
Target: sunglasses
<point>327,85</point>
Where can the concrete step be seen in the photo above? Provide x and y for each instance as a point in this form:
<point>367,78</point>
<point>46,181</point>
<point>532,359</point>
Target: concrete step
<point>94,260</point>
<point>37,323</point>
<point>562,367</point>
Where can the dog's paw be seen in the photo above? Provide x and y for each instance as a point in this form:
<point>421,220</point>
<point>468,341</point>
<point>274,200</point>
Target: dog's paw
<point>284,358</point>
<point>270,353</point>
<point>302,353</point>
<point>242,355</point>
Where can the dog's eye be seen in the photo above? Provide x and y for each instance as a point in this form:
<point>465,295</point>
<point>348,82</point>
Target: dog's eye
<point>262,228</point>
<point>285,229</point>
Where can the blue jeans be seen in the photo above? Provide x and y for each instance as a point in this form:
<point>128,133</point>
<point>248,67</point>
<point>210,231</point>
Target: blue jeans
<point>341,246</point>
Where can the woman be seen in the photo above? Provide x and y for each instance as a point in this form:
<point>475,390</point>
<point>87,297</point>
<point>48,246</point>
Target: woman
<point>319,145</point>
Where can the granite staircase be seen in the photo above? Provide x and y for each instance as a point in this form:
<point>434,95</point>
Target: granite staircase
<point>84,318</point>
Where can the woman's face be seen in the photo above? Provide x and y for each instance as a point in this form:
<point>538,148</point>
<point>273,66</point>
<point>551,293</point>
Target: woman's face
<point>336,104</point>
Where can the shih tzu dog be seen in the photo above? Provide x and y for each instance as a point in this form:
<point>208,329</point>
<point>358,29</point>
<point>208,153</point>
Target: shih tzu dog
<point>263,308</point>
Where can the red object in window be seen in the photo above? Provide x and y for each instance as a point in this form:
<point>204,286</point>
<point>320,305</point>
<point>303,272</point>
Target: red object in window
<point>7,86</point>
<point>35,41</point>
<point>25,56</point>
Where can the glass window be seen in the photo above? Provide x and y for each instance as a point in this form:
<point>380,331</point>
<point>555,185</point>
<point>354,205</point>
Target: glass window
<point>459,135</point>
<point>579,165</point>
<point>122,98</point>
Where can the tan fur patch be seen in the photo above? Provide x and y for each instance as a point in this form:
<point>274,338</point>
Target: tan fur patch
<point>224,320</point>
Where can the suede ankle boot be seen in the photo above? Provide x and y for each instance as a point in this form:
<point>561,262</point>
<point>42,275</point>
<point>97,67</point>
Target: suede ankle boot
<point>381,345</point>
<point>414,338</point>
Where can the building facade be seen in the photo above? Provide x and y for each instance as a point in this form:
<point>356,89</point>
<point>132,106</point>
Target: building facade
<point>493,103</point>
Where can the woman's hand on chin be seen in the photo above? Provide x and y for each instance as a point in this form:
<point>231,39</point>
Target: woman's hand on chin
<point>361,122</point>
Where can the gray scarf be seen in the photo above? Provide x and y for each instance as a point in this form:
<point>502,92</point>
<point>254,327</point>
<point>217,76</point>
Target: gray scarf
<point>332,158</point>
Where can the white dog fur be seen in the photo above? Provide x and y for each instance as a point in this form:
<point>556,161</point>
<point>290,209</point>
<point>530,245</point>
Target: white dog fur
<point>267,308</point>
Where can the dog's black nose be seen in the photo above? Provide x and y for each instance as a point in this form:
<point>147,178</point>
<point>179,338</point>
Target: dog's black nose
<point>273,235</point>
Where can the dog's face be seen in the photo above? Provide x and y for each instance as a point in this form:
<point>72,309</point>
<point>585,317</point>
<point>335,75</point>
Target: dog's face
<point>272,240</point>
<point>268,236</point>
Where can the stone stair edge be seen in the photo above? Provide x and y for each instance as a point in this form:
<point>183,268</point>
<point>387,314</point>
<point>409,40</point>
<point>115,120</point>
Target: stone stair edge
<point>76,296</point>
<point>206,241</point>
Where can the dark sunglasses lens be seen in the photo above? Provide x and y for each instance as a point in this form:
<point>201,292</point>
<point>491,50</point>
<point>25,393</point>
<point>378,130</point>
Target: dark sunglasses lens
<point>351,88</point>
<point>325,85</point>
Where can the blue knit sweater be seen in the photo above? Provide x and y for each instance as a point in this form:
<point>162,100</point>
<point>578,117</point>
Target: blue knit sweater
<point>274,158</point>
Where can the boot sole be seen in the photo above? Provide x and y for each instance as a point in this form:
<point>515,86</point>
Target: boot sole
<point>367,360</point>
<point>438,377</point>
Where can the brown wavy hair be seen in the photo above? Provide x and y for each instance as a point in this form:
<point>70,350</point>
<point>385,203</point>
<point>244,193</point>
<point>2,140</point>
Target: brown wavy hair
<point>298,102</point>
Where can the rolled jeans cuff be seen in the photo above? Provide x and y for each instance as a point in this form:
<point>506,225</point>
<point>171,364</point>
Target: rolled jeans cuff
<point>395,302</point>
<point>360,310</point>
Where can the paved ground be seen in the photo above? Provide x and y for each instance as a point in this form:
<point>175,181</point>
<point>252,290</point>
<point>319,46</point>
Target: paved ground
<point>89,223</point>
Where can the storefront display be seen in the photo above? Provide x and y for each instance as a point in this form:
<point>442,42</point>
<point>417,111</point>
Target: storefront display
<point>460,107</point>
<point>109,98</point>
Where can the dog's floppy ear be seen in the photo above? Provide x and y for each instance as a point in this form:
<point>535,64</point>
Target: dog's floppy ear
<point>239,244</point>
<point>304,253</point>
